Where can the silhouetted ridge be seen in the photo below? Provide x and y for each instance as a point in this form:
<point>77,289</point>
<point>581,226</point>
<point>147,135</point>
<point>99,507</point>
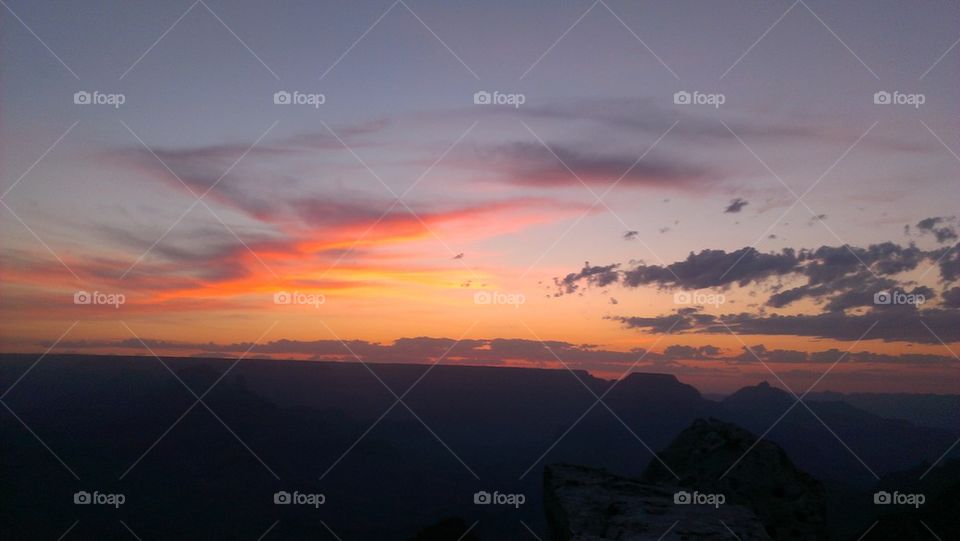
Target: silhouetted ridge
<point>763,393</point>
<point>647,386</point>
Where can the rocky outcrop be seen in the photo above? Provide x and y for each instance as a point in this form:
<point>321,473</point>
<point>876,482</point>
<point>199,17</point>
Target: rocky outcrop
<point>712,456</point>
<point>586,504</point>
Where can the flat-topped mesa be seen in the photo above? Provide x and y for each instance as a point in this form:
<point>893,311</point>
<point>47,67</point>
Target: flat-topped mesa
<point>587,504</point>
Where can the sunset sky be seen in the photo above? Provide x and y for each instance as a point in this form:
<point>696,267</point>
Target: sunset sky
<point>404,206</point>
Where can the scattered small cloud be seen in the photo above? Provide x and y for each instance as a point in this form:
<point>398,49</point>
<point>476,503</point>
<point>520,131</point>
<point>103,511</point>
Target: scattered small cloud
<point>940,227</point>
<point>736,205</point>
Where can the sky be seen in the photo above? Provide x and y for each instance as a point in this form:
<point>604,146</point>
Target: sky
<point>795,222</point>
